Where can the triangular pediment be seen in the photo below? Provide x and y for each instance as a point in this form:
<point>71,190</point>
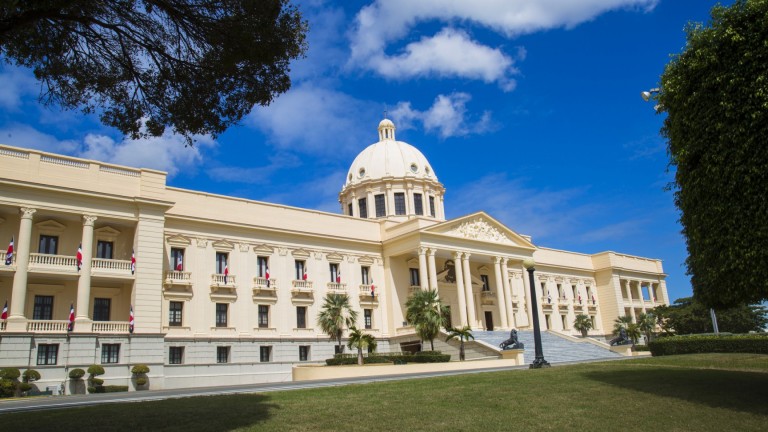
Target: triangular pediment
<point>223,245</point>
<point>365,260</point>
<point>334,257</point>
<point>481,227</point>
<point>178,241</point>
<point>263,249</point>
<point>300,253</point>
<point>106,231</point>
<point>50,225</point>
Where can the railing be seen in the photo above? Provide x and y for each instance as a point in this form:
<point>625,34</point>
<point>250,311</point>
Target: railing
<point>48,260</point>
<point>64,161</point>
<point>490,294</point>
<point>47,326</point>
<point>261,283</point>
<point>414,288</point>
<point>111,265</point>
<point>334,286</point>
<point>301,284</point>
<point>109,327</point>
<point>178,277</point>
<point>546,301</point>
<point>219,279</point>
<point>2,259</point>
<point>365,289</point>
<point>2,326</point>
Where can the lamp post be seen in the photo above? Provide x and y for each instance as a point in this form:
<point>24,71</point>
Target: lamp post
<point>539,361</point>
<point>648,94</point>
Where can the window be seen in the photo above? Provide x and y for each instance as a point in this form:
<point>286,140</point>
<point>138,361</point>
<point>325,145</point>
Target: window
<point>560,292</point>
<point>263,264</point>
<point>368,318</point>
<point>48,245</point>
<point>486,284</point>
<point>362,203</point>
<point>548,321</point>
<point>177,259</point>
<point>265,354</point>
<point>104,249</point>
<point>299,269</point>
<point>575,292</point>
<point>47,354</point>
<point>564,319</point>
<point>175,309</point>
<point>101,308</point>
<point>334,268</point>
<point>221,314</point>
<point>592,318</point>
<point>222,354</point>
<point>301,317</point>
<point>418,204</point>
<point>43,309</point>
<point>432,206</point>
<point>263,316</point>
<point>221,262</point>
<point>175,355</point>
<point>399,203</point>
<point>365,274</point>
<point>414,277</point>
<point>381,208</point>
<point>110,353</point>
<point>349,209</point>
<point>447,317</point>
<point>303,352</point>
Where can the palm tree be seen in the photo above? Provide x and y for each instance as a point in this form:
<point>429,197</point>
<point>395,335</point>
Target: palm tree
<point>633,332</point>
<point>334,315</point>
<point>361,341</point>
<point>426,314</point>
<point>464,333</point>
<point>646,323</point>
<point>583,323</point>
<point>621,323</point>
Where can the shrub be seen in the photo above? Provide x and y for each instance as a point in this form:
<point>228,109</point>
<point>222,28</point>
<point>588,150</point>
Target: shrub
<point>140,369</point>
<point>399,358</point>
<point>640,348</point>
<point>25,387</point>
<point>113,389</point>
<point>9,373</point>
<point>97,381</point>
<point>93,390</point>
<point>76,374</point>
<point>95,370</point>
<point>752,343</point>
<point>8,388</point>
<point>30,375</point>
<point>140,381</point>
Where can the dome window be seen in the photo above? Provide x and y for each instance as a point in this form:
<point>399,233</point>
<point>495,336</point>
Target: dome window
<point>426,170</point>
<point>414,168</point>
<point>350,176</point>
<point>361,173</point>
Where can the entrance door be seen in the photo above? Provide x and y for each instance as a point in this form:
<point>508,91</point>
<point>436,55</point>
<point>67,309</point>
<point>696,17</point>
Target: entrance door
<point>489,320</point>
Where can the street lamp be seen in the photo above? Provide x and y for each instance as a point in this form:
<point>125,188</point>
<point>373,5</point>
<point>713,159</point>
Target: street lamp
<point>646,95</point>
<point>539,361</point>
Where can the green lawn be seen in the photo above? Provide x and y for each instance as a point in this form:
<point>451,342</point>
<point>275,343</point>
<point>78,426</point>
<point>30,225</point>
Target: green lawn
<point>694,393</point>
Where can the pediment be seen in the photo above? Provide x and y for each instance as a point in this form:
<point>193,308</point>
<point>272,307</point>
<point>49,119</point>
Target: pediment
<point>334,257</point>
<point>223,245</point>
<point>50,225</point>
<point>263,249</point>
<point>106,231</point>
<point>301,253</point>
<point>178,241</point>
<point>481,227</point>
<point>365,260</point>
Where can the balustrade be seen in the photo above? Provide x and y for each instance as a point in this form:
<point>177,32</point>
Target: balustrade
<point>109,327</point>
<point>47,326</point>
<point>333,286</point>
<point>52,261</point>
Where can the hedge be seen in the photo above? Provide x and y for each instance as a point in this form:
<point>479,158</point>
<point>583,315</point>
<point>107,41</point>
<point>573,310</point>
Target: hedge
<point>751,343</point>
<point>400,358</point>
<point>113,389</point>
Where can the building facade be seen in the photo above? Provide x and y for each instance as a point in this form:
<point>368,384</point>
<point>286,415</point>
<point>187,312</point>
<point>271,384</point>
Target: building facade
<point>226,290</point>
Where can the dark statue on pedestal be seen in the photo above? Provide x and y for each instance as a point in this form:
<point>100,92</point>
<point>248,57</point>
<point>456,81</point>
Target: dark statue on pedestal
<point>512,342</point>
<point>621,339</point>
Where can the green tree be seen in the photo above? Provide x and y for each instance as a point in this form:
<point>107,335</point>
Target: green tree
<point>336,314</point>
<point>583,323</point>
<point>646,323</point>
<point>426,314</point>
<point>197,67</point>
<point>687,316</point>
<point>715,95</point>
<point>361,341</point>
<point>463,334</point>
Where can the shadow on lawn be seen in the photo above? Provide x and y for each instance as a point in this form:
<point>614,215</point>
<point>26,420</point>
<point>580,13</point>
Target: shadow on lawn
<point>738,391</point>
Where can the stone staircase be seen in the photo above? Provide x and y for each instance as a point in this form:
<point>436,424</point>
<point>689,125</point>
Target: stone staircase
<point>556,349</point>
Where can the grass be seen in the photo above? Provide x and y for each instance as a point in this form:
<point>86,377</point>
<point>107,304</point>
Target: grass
<point>702,392</point>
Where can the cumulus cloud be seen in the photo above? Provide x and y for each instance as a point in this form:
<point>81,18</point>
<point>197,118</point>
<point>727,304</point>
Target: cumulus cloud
<point>22,135</point>
<point>17,83</point>
<point>447,117</point>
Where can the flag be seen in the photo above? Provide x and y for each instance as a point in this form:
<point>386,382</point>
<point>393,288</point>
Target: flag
<point>305,275</point>
<point>130,321</point>
<point>373,294</point>
<point>133,262</point>
<point>593,299</point>
<point>266,275</point>
<point>79,256</point>
<point>9,253</point>
<point>71,325</point>
<point>338,277</point>
<point>179,262</point>
<point>226,272</point>
<point>549,297</point>
<point>4,316</point>
<point>579,298</point>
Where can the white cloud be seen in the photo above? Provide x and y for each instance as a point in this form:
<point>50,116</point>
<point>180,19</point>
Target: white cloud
<point>22,135</point>
<point>447,116</point>
<point>17,83</point>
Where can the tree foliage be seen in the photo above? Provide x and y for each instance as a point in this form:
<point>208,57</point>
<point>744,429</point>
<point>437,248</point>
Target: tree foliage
<point>360,340</point>
<point>715,95</point>
<point>462,334</point>
<point>427,315</point>
<point>687,316</point>
<point>583,323</point>
<point>336,314</point>
<point>197,66</point>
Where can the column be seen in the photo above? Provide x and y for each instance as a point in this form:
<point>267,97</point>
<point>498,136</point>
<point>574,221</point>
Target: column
<point>527,295</point>
<point>507,293</point>
<point>468,289</point>
<point>19,293</point>
<point>355,210</point>
<point>460,288</point>
<point>390,198</point>
<point>84,282</point>
<point>500,292</point>
<point>423,280</point>
<point>432,270</point>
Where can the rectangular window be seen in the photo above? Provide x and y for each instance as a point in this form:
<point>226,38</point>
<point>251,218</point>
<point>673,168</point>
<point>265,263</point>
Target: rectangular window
<point>349,209</point>
<point>48,245</point>
<point>486,284</point>
<point>575,292</point>
<point>432,206</point>
<point>414,277</point>
<point>560,292</point>
<point>221,314</point>
<point>175,355</point>
<point>221,262</point>
<point>47,354</point>
<point>303,352</point>
<point>418,204</point>
<point>368,318</point>
<point>263,316</point>
<point>335,274</point>
<point>365,274</point>
<point>399,203</point>
<point>110,353</point>
<point>447,317</point>
<point>43,309</point>
<point>265,354</point>
<point>380,204</point>
<point>263,264</point>
<point>362,203</point>
<point>301,317</point>
<point>175,310</point>
<point>104,249</point>
<point>299,269</point>
<point>222,354</point>
<point>101,308</point>
<point>177,259</point>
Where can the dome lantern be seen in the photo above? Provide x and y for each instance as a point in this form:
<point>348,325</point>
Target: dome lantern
<point>386,130</point>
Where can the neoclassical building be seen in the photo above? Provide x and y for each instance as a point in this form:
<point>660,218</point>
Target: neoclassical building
<point>226,290</point>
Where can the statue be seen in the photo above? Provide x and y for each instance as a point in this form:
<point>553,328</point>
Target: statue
<point>512,342</point>
<point>621,339</point>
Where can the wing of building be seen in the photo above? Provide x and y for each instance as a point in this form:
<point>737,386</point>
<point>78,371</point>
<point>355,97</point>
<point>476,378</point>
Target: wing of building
<point>210,290</point>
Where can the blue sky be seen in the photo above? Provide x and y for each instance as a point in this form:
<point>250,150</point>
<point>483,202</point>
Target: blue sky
<point>529,110</point>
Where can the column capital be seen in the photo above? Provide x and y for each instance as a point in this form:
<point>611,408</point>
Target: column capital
<point>466,256</point>
<point>432,252</point>
<point>27,212</point>
<point>497,260</point>
<point>422,250</point>
<point>88,220</point>
<point>457,255</point>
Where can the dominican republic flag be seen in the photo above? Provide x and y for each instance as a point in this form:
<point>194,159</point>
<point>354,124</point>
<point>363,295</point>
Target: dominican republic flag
<point>304,277</point>
<point>373,288</point>
<point>179,262</point>
<point>338,277</point>
<point>4,316</point>
<point>266,276</point>
<point>549,297</point>
<point>133,262</point>
<point>71,325</point>
<point>579,298</point>
<point>226,273</point>
<point>130,321</point>
<point>593,299</point>
<point>9,253</point>
<point>79,256</point>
